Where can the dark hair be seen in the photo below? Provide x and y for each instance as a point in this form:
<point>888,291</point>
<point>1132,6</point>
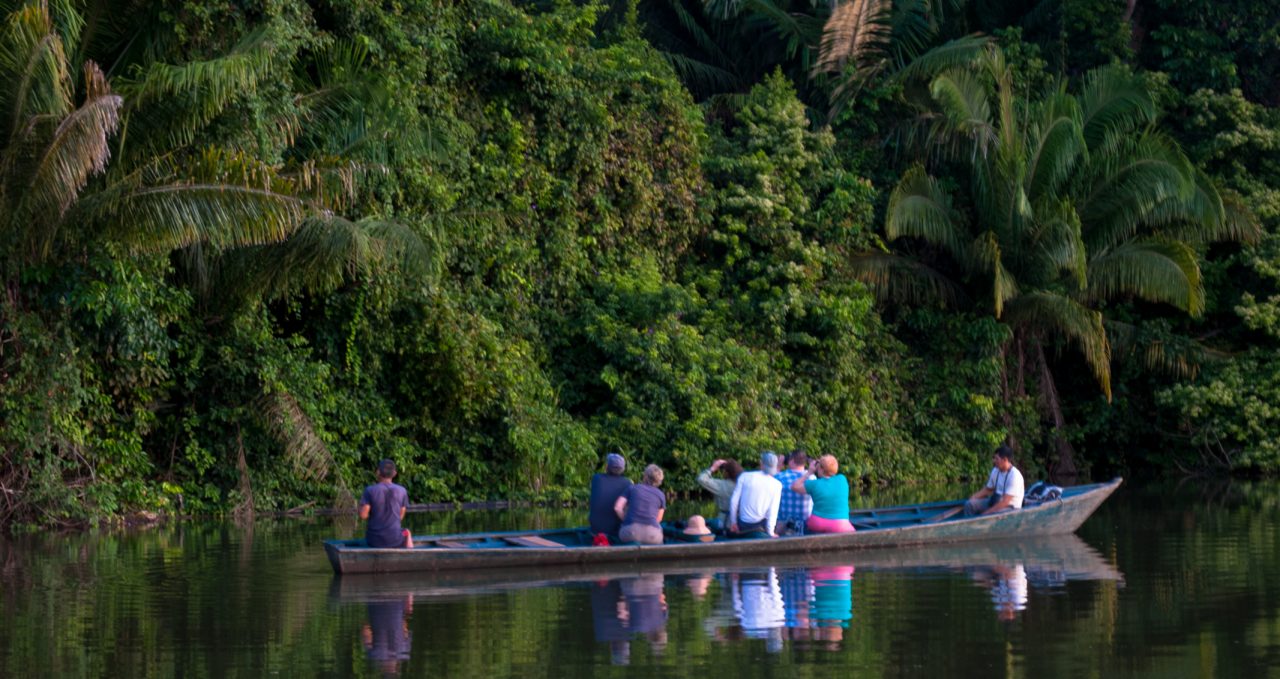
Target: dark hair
<point>386,468</point>
<point>1005,451</point>
<point>731,469</point>
<point>798,456</point>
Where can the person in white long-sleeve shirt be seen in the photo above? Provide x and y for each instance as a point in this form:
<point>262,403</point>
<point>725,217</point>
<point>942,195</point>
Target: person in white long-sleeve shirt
<point>756,497</point>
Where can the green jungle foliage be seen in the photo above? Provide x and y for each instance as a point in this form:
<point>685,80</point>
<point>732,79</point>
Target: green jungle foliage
<point>250,248</point>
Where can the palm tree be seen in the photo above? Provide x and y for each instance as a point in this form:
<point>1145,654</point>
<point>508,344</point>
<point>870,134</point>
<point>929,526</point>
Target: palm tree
<point>89,162</point>
<point>1073,200</point>
<point>69,181</point>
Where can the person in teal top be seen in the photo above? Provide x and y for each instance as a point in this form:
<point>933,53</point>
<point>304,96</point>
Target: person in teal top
<point>830,491</point>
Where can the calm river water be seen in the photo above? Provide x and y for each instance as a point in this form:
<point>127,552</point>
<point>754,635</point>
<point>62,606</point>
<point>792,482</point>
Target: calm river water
<point>1165,581</point>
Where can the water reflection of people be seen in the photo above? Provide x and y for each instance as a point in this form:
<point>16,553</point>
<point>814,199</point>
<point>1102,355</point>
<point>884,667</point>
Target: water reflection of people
<point>758,604</point>
<point>1008,585</point>
<point>607,614</point>
<point>386,637</point>
<point>832,607</point>
<point>797,592</point>
<point>622,609</point>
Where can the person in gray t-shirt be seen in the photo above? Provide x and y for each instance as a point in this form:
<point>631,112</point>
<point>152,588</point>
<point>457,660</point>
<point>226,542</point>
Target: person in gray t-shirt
<point>641,509</point>
<point>383,505</point>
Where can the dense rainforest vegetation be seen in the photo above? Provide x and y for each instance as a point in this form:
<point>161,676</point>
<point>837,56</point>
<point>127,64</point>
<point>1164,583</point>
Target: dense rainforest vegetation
<point>249,247</point>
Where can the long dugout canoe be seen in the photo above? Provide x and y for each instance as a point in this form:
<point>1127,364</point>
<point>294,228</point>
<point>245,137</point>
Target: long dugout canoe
<point>1060,557</point>
<point>919,524</point>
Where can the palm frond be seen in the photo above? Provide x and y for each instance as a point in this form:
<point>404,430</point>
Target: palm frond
<point>1056,146</point>
<point>1058,240</point>
<point>219,197</point>
<point>701,74</point>
<point>902,280</point>
<point>1157,271</point>
<point>296,434</point>
<point>1240,223</point>
<point>1046,311</point>
<point>702,39</point>
<point>328,183</point>
<point>920,208</point>
<point>1113,99</point>
<point>1132,186</point>
<point>913,24</point>
<point>33,64</point>
<point>77,150</point>
<point>959,53</point>
<point>855,33</point>
<point>989,259</point>
<point>961,99</point>
<point>1209,216</point>
<point>166,104</point>
<point>796,31</point>
<point>1172,356</point>
<point>323,254</point>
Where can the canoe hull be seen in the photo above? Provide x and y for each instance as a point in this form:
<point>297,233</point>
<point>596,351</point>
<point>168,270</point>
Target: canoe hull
<point>1052,518</point>
<point>1066,557</point>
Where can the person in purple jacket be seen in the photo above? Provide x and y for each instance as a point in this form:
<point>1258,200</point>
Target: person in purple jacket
<point>383,505</point>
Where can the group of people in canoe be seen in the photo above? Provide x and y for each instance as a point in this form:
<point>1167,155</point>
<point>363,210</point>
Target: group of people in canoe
<point>792,495</point>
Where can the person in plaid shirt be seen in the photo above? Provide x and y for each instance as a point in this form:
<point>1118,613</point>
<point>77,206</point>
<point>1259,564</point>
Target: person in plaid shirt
<point>795,508</point>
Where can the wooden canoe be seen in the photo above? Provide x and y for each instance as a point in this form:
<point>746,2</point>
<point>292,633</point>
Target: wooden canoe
<point>929,523</point>
<point>1060,558</point>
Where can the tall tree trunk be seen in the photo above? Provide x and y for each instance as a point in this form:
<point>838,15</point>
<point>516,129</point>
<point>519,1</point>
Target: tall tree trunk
<point>1017,390</point>
<point>1062,463</point>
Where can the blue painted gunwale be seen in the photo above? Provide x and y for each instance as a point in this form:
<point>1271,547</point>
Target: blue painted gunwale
<point>879,527</point>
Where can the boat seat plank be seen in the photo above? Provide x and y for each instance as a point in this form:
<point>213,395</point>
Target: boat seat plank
<point>533,541</point>
<point>451,544</point>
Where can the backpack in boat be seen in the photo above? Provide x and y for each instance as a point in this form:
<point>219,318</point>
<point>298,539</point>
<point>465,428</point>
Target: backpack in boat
<point>1041,493</point>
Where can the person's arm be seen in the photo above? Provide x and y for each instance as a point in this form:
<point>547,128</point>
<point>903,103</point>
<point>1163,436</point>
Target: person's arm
<point>1005,501</point>
<point>620,507</point>
<point>733,506</point>
<point>987,489</point>
<point>797,486</point>
<point>365,503</point>
<point>660,513</point>
<point>771,519</point>
<point>705,480</point>
<point>985,492</point>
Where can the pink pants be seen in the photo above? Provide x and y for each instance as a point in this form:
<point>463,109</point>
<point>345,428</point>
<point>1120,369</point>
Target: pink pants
<point>817,524</point>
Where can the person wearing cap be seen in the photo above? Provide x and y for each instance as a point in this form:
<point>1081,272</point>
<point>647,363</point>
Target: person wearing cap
<point>795,508</point>
<point>641,508</point>
<point>383,505</point>
<point>722,488</point>
<point>830,492</point>
<point>1004,490</point>
<point>606,488</point>
<point>754,505</point>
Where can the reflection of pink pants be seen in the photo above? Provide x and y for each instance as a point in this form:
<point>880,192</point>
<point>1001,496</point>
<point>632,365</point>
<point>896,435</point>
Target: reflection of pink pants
<point>817,524</point>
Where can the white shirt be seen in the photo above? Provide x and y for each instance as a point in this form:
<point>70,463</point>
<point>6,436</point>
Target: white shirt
<point>1008,483</point>
<point>756,498</point>
<point>1010,592</point>
<point>758,604</point>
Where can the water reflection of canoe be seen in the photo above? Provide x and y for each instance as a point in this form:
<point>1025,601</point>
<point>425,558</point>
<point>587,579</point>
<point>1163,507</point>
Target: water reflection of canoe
<point>1057,559</point>
<point>885,527</point>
